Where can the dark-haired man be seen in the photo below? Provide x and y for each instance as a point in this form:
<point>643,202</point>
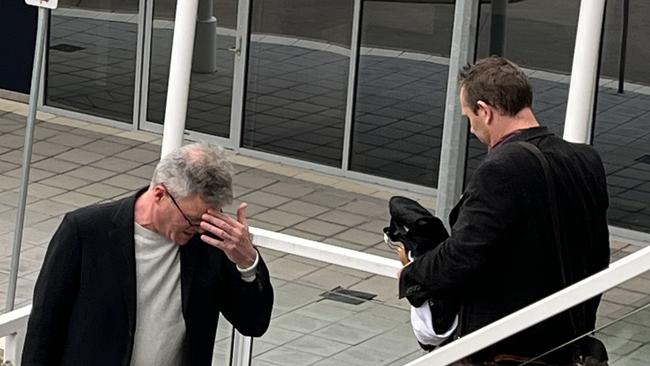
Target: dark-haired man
<point>506,250</point>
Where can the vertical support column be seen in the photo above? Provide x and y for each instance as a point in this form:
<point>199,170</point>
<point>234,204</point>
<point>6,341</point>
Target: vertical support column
<point>139,69</point>
<point>145,27</point>
<point>35,90</point>
<point>454,133</point>
<point>498,27</point>
<point>623,54</point>
<point>180,66</point>
<point>205,43</point>
<point>355,48</point>
<point>579,119</point>
<point>240,50</point>
<point>241,349</point>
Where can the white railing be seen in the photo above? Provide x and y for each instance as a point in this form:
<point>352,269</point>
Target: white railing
<point>13,324</point>
<point>326,253</point>
<point>617,273</point>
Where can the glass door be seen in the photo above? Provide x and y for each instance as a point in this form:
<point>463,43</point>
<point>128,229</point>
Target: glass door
<point>216,51</point>
<point>92,59</point>
<point>297,80</point>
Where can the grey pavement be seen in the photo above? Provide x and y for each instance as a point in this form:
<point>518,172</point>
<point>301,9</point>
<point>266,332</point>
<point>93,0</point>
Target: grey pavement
<point>77,163</point>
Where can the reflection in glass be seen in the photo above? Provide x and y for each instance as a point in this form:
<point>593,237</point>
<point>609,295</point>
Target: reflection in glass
<point>91,58</point>
<point>402,80</point>
<point>622,124</point>
<point>297,78</point>
<point>210,96</point>
<point>540,37</point>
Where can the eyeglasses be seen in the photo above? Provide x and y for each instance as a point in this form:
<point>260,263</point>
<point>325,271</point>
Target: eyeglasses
<point>189,222</point>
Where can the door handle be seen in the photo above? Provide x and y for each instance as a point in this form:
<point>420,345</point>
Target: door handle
<point>237,48</point>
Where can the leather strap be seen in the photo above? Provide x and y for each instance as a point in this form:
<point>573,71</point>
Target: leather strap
<point>555,217</point>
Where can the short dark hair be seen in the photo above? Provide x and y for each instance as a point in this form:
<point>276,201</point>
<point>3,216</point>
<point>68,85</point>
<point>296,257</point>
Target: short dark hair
<point>498,82</point>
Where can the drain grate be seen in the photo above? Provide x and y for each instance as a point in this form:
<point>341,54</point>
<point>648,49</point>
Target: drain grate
<point>353,297</point>
<point>643,159</point>
<point>64,47</point>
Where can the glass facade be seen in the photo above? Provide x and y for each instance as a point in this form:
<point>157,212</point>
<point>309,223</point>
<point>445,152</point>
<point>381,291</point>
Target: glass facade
<point>401,88</point>
<point>297,79</point>
<point>622,123</point>
<point>91,58</point>
<point>208,110</point>
<point>539,36</point>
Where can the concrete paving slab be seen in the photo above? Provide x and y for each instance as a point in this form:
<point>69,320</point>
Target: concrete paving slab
<point>320,227</point>
<point>91,173</point>
<point>302,208</point>
<point>280,218</point>
<point>76,199</point>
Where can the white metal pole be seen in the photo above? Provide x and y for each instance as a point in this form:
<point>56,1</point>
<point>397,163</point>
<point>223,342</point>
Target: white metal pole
<point>578,120</point>
<point>39,49</point>
<point>241,349</point>
<point>180,67</point>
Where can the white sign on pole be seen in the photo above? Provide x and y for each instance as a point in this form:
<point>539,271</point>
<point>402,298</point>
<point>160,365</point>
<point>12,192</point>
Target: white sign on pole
<point>50,4</point>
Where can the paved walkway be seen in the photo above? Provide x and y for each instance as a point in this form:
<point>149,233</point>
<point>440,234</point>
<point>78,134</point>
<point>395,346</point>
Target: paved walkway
<point>77,164</point>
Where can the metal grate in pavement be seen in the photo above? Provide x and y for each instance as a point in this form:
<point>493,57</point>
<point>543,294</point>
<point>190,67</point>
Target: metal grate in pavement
<point>344,295</point>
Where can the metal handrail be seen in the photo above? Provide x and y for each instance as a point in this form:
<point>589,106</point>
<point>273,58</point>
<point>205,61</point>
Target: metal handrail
<point>326,253</point>
<point>13,324</point>
<point>617,273</point>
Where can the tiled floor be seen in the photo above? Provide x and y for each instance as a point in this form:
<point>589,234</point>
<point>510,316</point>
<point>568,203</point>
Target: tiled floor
<point>77,163</point>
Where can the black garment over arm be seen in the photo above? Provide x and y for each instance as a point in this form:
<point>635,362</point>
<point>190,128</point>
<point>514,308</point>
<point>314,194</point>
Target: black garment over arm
<point>57,285</point>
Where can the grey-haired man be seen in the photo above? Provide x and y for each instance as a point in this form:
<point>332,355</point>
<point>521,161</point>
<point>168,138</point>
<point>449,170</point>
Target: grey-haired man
<point>142,280</point>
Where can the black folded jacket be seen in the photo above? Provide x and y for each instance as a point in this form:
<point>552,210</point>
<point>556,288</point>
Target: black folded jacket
<point>419,231</point>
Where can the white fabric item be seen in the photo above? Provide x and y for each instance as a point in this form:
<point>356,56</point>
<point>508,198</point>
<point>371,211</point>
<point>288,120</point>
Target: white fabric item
<point>422,325</point>
<point>159,322</point>
<point>249,274</point>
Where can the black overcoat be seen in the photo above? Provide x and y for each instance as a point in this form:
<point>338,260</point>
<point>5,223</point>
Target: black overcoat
<point>501,255</point>
<point>84,303</point>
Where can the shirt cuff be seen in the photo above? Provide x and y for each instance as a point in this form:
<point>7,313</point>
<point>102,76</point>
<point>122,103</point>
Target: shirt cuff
<point>248,274</point>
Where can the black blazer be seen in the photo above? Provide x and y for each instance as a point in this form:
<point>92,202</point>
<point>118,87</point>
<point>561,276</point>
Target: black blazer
<point>501,255</point>
<point>85,297</point>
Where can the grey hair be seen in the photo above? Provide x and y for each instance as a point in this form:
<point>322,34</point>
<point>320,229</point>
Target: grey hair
<point>196,169</point>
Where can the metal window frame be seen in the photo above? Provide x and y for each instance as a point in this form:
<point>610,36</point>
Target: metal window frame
<point>453,154</point>
<point>240,73</point>
<point>59,111</point>
<point>355,47</point>
<point>237,94</point>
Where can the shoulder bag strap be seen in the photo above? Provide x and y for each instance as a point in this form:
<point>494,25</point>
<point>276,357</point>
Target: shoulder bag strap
<point>555,217</point>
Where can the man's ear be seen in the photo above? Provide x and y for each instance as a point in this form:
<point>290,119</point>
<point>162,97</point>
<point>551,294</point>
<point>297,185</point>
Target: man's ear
<point>486,110</point>
<point>158,192</point>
